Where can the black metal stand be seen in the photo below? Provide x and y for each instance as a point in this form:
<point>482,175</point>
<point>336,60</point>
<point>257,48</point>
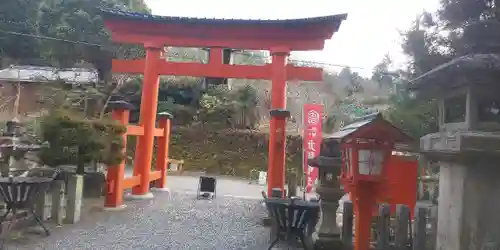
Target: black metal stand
<point>293,218</point>
<point>20,193</point>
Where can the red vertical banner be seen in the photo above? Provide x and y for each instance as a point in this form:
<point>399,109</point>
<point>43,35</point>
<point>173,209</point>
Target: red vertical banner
<point>312,136</point>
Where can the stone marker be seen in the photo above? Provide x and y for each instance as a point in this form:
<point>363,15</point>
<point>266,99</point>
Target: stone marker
<point>75,190</point>
<point>57,208</point>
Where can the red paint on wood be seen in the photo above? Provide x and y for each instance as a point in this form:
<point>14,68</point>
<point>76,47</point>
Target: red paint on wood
<point>135,130</point>
<point>234,43</point>
<point>277,128</point>
<point>155,175</point>
<point>114,177</point>
<point>363,210</point>
<point>218,70</point>
<point>400,186</point>
<point>162,153</point>
<point>149,103</point>
<point>131,181</point>
<point>314,31</point>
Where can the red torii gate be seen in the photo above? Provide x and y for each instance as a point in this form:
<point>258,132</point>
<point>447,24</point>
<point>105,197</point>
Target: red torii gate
<point>280,37</point>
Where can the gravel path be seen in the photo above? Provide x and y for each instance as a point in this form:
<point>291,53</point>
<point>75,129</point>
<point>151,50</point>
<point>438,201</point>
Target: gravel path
<point>177,221</point>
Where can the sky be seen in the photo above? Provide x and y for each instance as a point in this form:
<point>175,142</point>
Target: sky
<point>372,28</point>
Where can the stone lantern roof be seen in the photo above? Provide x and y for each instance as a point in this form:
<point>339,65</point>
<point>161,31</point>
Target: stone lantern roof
<point>329,156</point>
<point>468,69</point>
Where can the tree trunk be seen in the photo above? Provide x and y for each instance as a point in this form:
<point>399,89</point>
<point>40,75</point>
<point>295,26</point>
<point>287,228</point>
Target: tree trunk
<point>80,168</point>
<point>119,84</point>
<point>104,106</point>
<point>497,9</point>
<point>80,165</point>
<point>292,184</point>
<point>15,111</point>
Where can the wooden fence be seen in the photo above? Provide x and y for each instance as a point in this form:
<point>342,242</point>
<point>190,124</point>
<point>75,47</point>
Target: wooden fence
<point>401,232</point>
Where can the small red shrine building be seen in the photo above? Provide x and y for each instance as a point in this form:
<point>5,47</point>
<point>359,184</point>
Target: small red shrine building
<point>399,173</point>
<point>280,37</point>
<point>371,173</point>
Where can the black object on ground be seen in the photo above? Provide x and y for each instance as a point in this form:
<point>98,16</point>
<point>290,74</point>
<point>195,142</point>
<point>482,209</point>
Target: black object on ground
<point>276,193</point>
<point>207,187</point>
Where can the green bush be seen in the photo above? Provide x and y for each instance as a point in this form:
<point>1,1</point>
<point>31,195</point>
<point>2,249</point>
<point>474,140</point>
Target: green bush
<point>183,114</point>
<point>223,108</point>
<point>72,140</point>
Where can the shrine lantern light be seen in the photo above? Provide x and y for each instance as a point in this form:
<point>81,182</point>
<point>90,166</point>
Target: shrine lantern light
<point>364,159</point>
<point>366,146</point>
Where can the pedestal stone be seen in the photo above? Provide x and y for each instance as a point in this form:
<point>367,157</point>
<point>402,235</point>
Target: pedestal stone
<point>327,232</point>
<point>57,209</point>
<point>165,190</point>
<point>469,189</point>
<point>146,196</point>
<point>112,209</point>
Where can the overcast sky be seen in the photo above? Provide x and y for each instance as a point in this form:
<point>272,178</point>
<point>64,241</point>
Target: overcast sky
<point>371,30</point>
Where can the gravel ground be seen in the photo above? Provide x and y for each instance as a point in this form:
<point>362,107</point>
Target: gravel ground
<point>177,221</point>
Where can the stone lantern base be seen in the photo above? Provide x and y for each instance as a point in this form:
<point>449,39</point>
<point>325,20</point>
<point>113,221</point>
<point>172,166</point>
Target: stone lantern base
<point>469,199</point>
<point>327,235</point>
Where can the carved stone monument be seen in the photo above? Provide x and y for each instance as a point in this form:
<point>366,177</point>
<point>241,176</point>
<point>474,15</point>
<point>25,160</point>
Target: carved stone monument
<point>467,147</point>
<point>329,165</point>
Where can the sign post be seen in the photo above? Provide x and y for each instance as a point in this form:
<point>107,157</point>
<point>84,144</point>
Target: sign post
<point>312,136</point>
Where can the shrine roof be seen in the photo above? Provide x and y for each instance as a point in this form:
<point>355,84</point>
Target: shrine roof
<point>372,126</point>
<point>135,16</point>
<point>325,162</point>
<point>353,127</point>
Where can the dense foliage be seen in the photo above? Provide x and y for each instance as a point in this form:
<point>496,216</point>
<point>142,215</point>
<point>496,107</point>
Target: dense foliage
<point>235,109</point>
<point>457,28</point>
<point>24,23</point>
<point>229,152</point>
<point>72,140</point>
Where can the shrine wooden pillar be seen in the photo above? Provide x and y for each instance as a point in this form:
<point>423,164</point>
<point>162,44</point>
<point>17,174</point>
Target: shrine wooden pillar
<point>114,178</point>
<point>164,119</point>
<point>149,103</point>
<point>277,133</point>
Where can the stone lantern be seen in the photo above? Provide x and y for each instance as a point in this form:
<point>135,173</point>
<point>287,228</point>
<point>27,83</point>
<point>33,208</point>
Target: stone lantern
<point>329,164</point>
<point>467,147</point>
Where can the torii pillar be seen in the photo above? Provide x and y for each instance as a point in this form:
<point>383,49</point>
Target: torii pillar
<point>149,105</point>
<point>277,128</point>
